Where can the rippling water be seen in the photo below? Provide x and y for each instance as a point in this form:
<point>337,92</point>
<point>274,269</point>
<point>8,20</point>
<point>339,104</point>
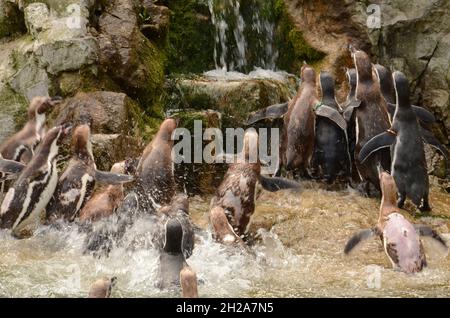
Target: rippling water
<point>298,254</point>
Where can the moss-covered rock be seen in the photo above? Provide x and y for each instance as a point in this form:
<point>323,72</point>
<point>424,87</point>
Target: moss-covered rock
<point>141,62</point>
<point>13,111</point>
<point>198,178</point>
<point>234,99</point>
<point>11,19</point>
<point>191,37</point>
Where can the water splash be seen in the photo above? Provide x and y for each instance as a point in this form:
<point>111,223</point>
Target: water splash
<point>240,44</point>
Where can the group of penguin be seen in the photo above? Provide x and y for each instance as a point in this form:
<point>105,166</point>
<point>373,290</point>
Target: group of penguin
<point>377,123</point>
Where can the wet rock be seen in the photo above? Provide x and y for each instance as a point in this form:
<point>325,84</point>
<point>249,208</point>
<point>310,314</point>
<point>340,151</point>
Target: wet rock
<point>114,120</point>
<point>122,44</point>
<point>37,17</point>
<point>201,177</point>
<point>234,98</point>
<point>154,19</point>
<point>108,112</point>
<point>112,148</point>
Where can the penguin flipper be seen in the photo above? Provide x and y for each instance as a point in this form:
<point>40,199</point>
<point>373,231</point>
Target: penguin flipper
<point>359,237</point>
<point>9,176</point>
<point>429,138</point>
<point>271,112</point>
<point>424,115</point>
<point>348,112</point>
<point>112,178</point>
<point>383,140</point>
<point>424,230</point>
<point>11,166</point>
<point>333,115</point>
<point>275,184</point>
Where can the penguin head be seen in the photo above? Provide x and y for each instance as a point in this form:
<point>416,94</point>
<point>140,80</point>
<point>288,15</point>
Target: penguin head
<point>181,203</point>
<point>363,66</point>
<point>102,288</point>
<point>326,84</point>
<point>401,89</point>
<point>388,187</point>
<point>167,128</point>
<point>81,142</point>
<point>173,237</point>
<point>41,105</point>
<point>250,147</point>
<point>308,75</point>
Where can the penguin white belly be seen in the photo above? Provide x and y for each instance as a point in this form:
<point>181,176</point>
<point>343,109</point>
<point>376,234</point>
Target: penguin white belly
<point>33,218</point>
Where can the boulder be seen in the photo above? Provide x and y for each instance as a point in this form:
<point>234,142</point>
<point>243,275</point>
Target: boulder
<point>234,97</point>
<point>115,124</point>
<point>127,55</point>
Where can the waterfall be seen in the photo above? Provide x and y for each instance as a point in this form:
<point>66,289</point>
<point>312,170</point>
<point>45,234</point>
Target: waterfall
<point>242,44</point>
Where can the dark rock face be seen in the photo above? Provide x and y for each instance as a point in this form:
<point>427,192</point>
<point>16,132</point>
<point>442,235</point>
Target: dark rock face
<point>127,55</point>
<point>11,19</point>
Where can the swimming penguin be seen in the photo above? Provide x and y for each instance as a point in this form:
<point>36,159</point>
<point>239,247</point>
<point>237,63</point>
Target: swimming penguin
<point>20,146</point>
<point>409,166</point>
<point>331,156</point>
<point>173,268</point>
<point>370,118</point>
<point>384,76</point>
<point>179,209</point>
<point>26,200</point>
<point>78,180</point>
<point>102,287</point>
<point>236,193</point>
<point>104,201</point>
<point>400,238</point>
<point>155,180</point>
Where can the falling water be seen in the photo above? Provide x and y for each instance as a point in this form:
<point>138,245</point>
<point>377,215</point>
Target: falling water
<point>242,44</point>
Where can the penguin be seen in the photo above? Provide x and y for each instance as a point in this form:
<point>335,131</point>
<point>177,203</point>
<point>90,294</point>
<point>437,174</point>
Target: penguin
<point>331,156</point>
<point>20,146</point>
<point>299,121</point>
<point>173,270</point>
<point>9,169</point>
<point>348,113</point>
<point>409,166</point>
<point>26,200</point>
<point>370,118</point>
<point>102,287</point>
<point>104,201</point>
<point>155,180</point>
<point>179,209</point>
<point>78,179</point>
<point>400,238</point>
<point>384,76</point>
<point>425,117</point>
<point>221,229</point>
<point>236,193</point>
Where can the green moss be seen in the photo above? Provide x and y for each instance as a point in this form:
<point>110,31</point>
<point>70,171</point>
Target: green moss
<point>293,48</point>
<point>13,104</point>
<point>191,39</point>
<point>11,20</point>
